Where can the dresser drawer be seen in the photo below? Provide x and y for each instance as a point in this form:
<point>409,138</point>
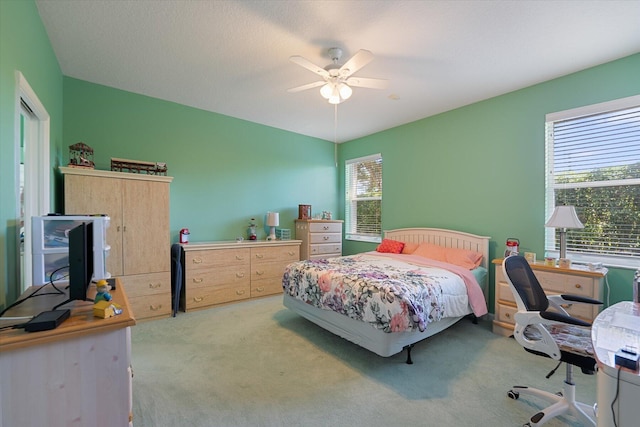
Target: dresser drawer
<point>565,283</point>
<point>329,227</point>
<point>504,292</point>
<point>505,313</point>
<point>263,287</point>
<point>216,258</point>
<point>267,270</point>
<point>202,277</point>
<point>149,306</point>
<point>326,248</point>
<point>280,253</point>
<point>147,284</point>
<point>325,238</point>
<point>218,294</point>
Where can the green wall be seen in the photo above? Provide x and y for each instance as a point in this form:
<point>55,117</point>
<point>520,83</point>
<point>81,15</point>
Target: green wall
<point>226,171</point>
<point>24,47</point>
<point>480,168</point>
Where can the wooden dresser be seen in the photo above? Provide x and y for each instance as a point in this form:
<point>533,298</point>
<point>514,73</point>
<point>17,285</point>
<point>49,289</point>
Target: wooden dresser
<point>554,280</point>
<point>320,238</point>
<point>222,272</point>
<point>138,206</point>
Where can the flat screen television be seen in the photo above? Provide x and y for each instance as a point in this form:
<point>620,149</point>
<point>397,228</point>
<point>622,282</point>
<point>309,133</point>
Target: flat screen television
<point>80,262</point>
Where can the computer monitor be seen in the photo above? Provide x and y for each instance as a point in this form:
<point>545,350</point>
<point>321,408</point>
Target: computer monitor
<point>80,262</point>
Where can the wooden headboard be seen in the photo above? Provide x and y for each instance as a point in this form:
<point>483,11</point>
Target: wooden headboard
<point>442,237</point>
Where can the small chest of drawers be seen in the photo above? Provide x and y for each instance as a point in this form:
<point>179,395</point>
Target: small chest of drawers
<point>222,272</point>
<point>320,238</point>
<point>553,280</point>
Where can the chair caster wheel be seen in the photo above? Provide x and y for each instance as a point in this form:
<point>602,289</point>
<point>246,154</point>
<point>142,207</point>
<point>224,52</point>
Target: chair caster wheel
<point>513,395</point>
<point>526,425</point>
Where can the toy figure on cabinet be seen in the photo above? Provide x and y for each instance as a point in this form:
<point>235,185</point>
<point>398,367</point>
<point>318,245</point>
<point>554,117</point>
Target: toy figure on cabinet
<point>103,289</point>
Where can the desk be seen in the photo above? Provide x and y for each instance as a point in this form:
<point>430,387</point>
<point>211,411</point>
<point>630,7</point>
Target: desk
<point>614,328</point>
<point>77,374</point>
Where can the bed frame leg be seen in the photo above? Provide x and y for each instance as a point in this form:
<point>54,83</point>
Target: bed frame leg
<point>409,361</point>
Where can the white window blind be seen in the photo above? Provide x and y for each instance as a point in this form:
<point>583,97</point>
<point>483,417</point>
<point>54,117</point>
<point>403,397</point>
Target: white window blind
<point>593,163</point>
<point>363,198</point>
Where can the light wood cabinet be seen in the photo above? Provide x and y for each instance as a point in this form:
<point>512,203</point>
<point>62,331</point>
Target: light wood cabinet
<point>320,238</point>
<point>223,272</point>
<point>554,280</point>
<point>138,206</point>
<point>76,374</point>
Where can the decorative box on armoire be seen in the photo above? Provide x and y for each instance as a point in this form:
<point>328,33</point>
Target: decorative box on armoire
<point>320,238</point>
<point>138,205</point>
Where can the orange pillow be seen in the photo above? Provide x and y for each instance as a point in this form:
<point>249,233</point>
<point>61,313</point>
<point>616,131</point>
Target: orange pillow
<point>460,257</point>
<point>431,251</point>
<point>463,258</point>
<point>390,246</point>
<point>409,248</point>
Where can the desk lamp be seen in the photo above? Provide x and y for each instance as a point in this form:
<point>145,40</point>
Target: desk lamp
<point>273,220</point>
<point>564,217</point>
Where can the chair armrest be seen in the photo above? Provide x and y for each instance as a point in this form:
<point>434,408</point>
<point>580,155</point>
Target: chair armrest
<point>581,299</point>
<point>562,318</point>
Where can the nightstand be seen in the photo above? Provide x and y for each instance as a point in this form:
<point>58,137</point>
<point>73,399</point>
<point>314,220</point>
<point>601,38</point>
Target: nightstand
<point>577,280</point>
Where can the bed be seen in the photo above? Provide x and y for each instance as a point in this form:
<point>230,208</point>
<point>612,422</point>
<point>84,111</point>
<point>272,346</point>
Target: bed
<point>374,325</point>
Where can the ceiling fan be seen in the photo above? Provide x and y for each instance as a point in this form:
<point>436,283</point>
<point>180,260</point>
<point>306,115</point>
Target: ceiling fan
<point>338,79</point>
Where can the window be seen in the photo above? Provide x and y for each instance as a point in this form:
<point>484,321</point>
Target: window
<point>593,163</point>
<point>363,198</point>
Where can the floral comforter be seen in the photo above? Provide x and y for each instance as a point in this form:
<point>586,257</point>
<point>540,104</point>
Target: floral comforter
<point>390,294</point>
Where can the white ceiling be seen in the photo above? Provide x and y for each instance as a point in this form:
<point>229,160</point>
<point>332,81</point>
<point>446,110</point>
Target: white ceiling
<point>232,57</point>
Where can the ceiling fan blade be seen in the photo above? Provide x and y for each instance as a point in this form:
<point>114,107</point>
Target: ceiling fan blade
<point>305,87</point>
<point>367,82</point>
<point>357,61</point>
<point>303,62</point>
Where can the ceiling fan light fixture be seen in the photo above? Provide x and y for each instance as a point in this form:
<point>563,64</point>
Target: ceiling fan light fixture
<point>345,91</point>
<point>326,90</point>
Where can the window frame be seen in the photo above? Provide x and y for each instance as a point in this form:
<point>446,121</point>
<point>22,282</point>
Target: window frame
<point>551,186</point>
<point>349,212</point>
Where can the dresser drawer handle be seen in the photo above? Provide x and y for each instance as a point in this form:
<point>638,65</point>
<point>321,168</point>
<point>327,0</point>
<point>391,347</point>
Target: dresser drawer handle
<point>154,285</point>
<point>240,292</point>
<point>291,253</point>
<point>259,256</point>
<point>507,315</point>
<point>198,280</point>
<point>197,260</point>
<point>239,275</point>
<point>325,237</point>
<point>578,285</point>
<point>155,307</point>
<point>260,289</point>
<point>198,299</point>
<point>325,227</point>
<point>239,258</point>
<point>259,273</point>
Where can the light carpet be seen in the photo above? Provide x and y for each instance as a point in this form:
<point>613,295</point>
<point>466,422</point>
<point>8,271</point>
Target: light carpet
<point>256,363</point>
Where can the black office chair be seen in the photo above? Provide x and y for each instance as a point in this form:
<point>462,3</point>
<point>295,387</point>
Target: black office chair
<point>176,277</point>
<point>544,328</point>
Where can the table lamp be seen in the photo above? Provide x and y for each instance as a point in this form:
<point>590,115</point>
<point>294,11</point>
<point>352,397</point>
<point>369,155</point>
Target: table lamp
<point>273,220</point>
<point>564,217</point>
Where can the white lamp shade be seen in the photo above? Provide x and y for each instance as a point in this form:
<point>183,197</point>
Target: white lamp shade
<point>345,91</point>
<point>326,90</point>
<point>273,219</point>
<point>564,217</point>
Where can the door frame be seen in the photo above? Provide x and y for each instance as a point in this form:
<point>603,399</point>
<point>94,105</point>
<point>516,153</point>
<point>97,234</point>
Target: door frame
<point>37,170</point>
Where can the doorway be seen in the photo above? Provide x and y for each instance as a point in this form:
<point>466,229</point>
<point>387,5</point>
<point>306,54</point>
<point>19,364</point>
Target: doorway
<point>33,170</point>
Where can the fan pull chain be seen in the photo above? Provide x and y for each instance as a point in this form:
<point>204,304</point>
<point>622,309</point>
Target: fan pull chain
<point>335,134</point>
